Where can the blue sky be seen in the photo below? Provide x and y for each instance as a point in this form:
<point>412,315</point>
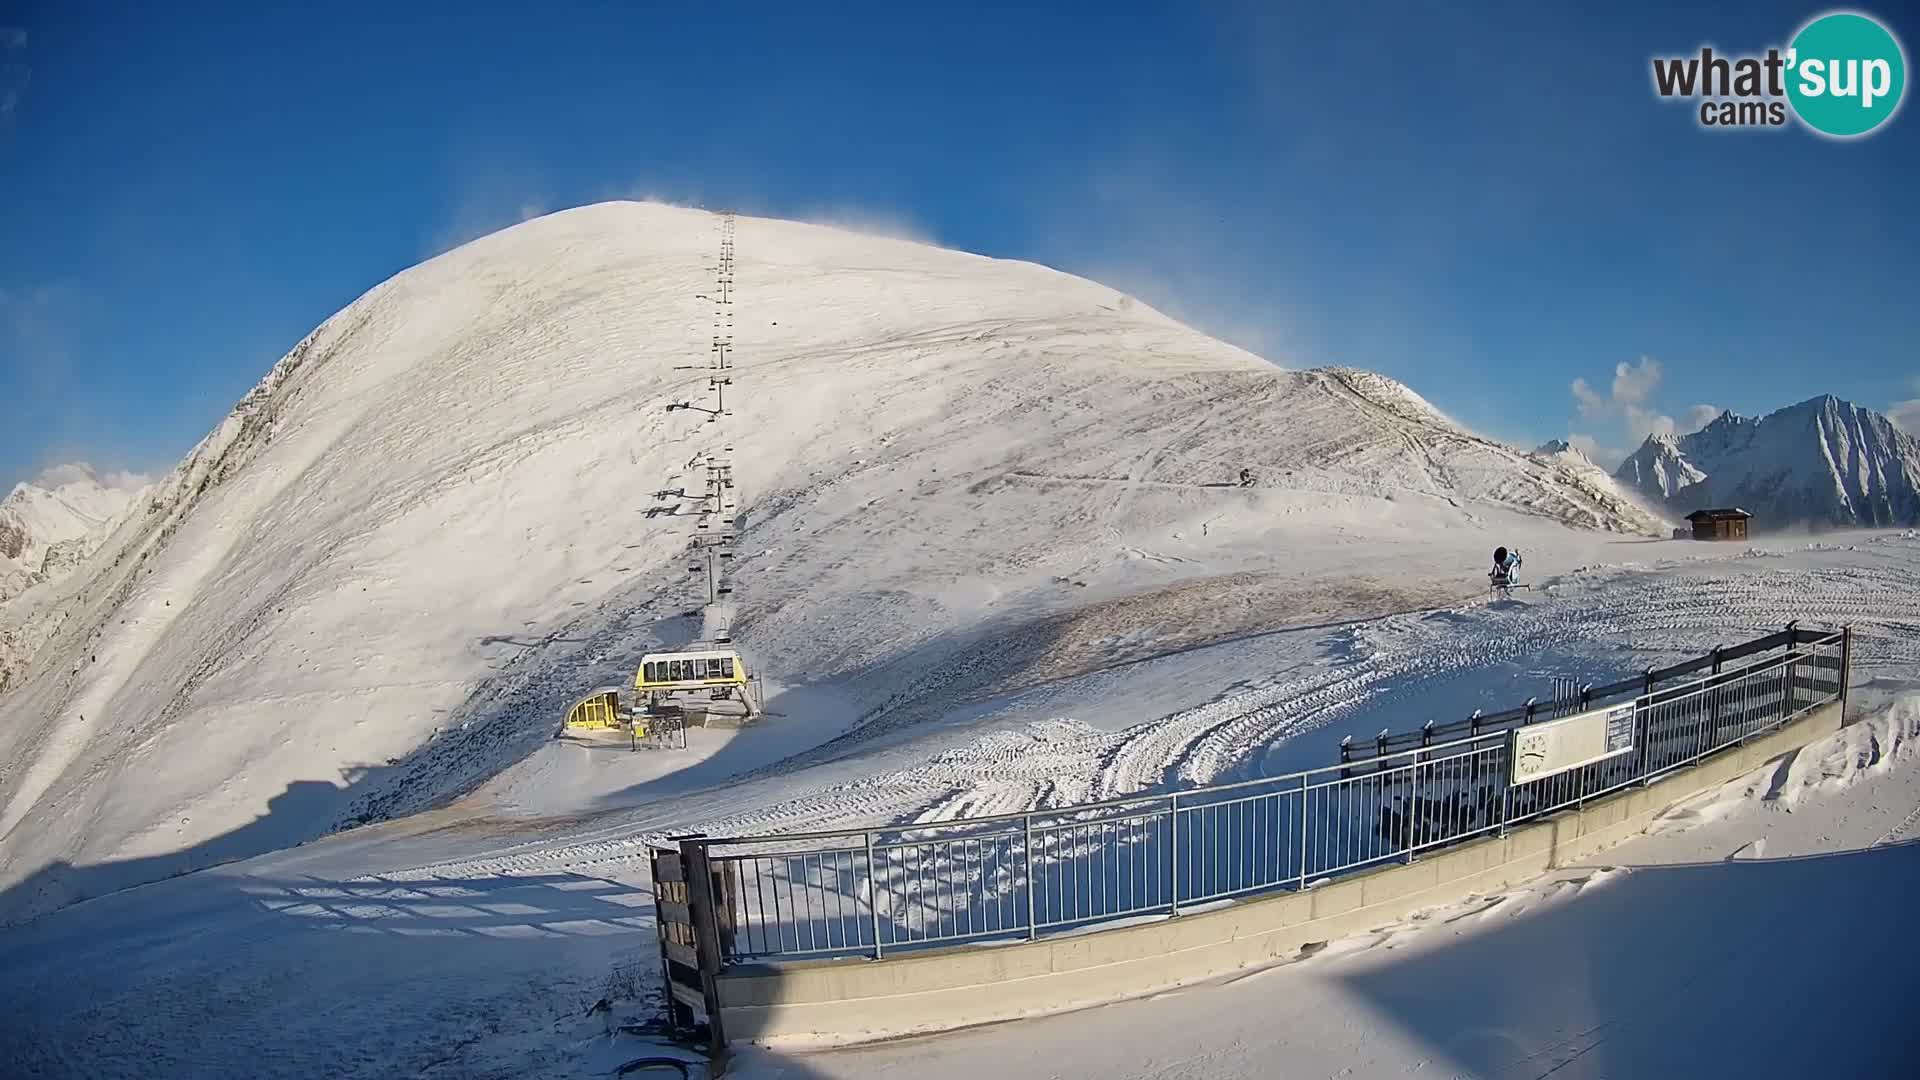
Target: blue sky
<point>1487,203</point>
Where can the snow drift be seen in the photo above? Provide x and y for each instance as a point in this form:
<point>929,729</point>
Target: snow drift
<point>464,496</point>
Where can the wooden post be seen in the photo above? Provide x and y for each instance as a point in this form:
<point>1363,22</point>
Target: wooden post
<point>706,936</point>
<point>679,1017</point>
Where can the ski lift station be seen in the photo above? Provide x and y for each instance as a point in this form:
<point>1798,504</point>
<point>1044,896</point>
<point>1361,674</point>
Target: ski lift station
<point>661,685</point>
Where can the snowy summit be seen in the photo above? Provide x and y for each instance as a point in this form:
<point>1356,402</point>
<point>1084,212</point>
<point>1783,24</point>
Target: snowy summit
<point>48,525</point>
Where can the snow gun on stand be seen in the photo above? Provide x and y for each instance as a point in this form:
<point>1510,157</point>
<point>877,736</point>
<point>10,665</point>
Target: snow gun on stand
<point>1505,575</point>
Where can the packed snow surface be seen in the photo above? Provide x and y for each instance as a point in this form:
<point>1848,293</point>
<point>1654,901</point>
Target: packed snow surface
<point>465,498</point>
<point>463,942</point>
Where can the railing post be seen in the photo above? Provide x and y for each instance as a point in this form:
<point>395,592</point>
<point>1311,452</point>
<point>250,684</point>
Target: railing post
<point>1173,854</point>
<point>1786,695</point>
<point>1303,830</point>
<point>873,893</point>
<point>1714,695</point>
<point>1846,669</point>
<point>1506,782</point>
<point>1026,848</point>
<point>1413,800</point>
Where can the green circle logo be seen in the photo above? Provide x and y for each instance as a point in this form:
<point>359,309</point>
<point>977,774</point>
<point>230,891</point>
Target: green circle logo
<point>1845,74</point>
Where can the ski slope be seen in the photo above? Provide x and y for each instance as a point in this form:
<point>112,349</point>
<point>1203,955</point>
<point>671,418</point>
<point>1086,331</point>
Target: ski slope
<point>1302,691</point>
<point>464,499</point>
<point>467,942</point>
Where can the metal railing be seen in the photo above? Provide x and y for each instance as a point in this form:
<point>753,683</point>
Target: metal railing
<point>1018,876</point>
<point>1569,696</point>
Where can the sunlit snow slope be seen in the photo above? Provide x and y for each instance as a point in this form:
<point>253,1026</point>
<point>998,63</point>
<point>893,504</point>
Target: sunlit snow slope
<point>458,501</point>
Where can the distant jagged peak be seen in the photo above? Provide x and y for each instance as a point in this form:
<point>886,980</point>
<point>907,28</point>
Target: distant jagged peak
<point>1822,462</point>
<point>70,505</point>
<point>1562,450</point>
<point>77,479</point>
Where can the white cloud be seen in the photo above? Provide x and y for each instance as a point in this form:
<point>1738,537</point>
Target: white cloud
<point>64,474</point>
<point>1644,422</point>
<point>1591,403</point>
<point>1633,384</point>
<point>1607,457</point>
<point>79,472</point>
<point>1630,397</point>
<point>1700,416</point>
<point>1906,414</point>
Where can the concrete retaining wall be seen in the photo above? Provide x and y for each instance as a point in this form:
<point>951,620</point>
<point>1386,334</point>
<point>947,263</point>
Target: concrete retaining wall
<point>833,1002</point>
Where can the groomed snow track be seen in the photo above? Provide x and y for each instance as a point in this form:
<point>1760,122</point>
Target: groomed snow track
<point>1389,672</point>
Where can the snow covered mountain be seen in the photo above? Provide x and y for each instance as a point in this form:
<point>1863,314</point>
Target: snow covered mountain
<point>470,494</point>
<point>48,526</point>
<point>1822,463</point>
<point>1560,450</point>
<point>1659,468</point>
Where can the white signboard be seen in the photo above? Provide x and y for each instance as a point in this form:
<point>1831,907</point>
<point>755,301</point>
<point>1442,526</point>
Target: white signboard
<point>1553,747</point>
